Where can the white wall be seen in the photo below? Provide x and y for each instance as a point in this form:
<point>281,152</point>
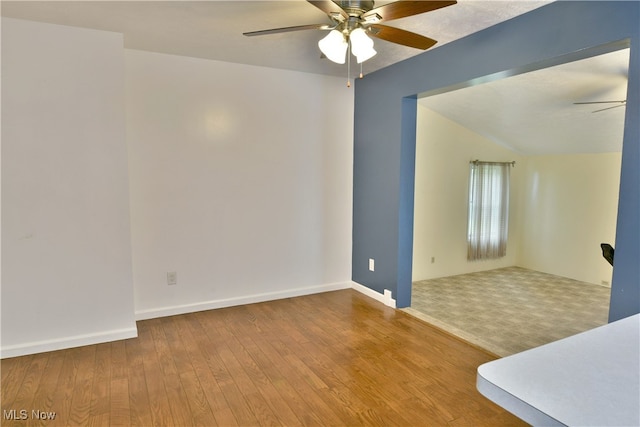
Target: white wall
<point>570,206</point>
<point>240,180</point>
<point>562,206</point>
<point>66,242</point>
<point>443,152</point>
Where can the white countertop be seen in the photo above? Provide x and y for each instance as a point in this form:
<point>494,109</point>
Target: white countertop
<point>589,379</point>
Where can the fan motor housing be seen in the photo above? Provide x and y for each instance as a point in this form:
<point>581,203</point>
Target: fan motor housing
<point>355,8</point>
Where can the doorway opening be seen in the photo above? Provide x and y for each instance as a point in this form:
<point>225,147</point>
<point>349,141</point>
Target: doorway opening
<point>564,199</point>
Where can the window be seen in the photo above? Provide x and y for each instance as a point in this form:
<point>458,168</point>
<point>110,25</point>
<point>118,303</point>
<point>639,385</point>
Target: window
<point>488,219</point>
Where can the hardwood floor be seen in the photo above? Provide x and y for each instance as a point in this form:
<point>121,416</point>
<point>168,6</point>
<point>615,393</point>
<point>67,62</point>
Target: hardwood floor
<point>338,358</point>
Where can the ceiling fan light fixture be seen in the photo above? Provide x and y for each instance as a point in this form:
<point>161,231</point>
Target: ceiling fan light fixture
<point>352,20</point>
<point>366,54</point>
<point>361,45</point>
<point>334,46</point>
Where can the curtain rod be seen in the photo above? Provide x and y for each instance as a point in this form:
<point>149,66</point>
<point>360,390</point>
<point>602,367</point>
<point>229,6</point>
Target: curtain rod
<point>475,162</point>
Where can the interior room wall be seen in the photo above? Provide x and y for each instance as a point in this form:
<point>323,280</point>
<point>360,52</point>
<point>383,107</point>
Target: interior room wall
<point>66,242</point>
<point>238,178</point>
<point>562,206</point>
<point>384,132</point>
<point>443,151</point>
<point>241,182</point>
<point>570,206</point>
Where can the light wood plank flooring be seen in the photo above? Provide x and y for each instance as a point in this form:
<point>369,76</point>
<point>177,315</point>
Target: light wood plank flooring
<point>332,359</point>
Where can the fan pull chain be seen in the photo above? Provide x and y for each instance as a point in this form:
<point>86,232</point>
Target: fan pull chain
<point>361,75</point>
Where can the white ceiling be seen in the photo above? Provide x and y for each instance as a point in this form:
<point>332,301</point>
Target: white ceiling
<point>534,113</point>
<point>213,30</point>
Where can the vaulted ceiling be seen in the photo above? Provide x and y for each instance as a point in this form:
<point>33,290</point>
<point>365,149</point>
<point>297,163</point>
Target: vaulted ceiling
<point>536,113</point>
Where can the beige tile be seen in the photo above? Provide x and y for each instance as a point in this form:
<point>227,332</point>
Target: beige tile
<point>509,310</point>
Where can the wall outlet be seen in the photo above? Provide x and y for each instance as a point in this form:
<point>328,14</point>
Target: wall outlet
<point>372,264</point>
<point>172,278</point>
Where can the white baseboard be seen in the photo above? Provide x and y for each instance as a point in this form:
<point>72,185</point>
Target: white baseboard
<point>383,298</point>
<point>230,302</point>
<point>120,334</point>
<point>67,342</point>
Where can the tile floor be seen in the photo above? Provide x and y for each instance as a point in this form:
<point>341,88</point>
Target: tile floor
<point>511,309</point>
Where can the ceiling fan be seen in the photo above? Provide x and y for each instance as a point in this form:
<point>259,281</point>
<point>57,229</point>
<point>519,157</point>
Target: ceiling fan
<point>352,22</point>
<point>621,103</point>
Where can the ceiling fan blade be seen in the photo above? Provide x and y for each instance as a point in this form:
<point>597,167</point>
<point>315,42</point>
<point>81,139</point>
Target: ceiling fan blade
<point>401,9</point>
<point>608,108</point>
<point>403,37</point>
<point>600,102</point>
<point>288,29</point>
<point>330,8</point>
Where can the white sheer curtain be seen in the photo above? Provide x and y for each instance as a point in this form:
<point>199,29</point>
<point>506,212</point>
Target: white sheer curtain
<point>488,210</point>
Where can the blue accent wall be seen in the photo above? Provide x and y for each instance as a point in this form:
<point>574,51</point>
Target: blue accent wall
<point>385,120</point>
